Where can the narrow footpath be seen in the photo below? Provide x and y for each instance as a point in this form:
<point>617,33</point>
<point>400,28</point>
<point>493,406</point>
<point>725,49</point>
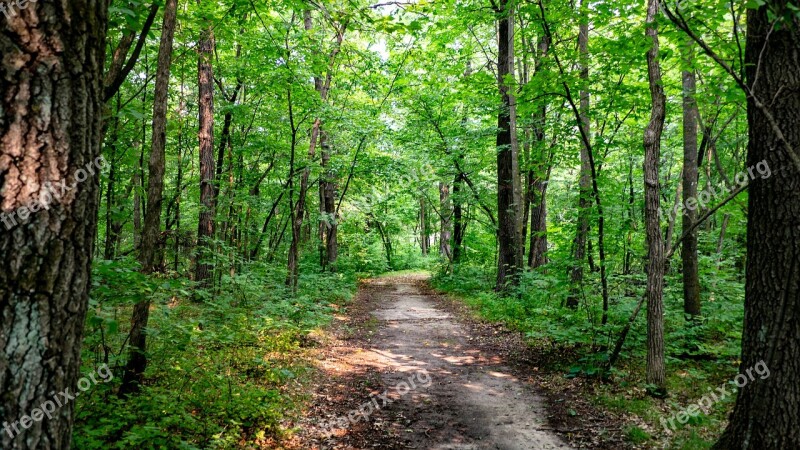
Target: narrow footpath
<point>408,375</point>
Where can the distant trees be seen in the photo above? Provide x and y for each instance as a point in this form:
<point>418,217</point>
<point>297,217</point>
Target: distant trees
<point>440,97</point>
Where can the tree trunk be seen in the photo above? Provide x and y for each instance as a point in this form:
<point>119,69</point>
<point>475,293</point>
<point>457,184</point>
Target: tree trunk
<point>722,229</point>
<point>151,255</point>
<point>446,226</point>
<point>137,204</point>
<point>113,226</point>
<point>656,373</point>
<point>328,188</point>
<point>671,219</point>
<point>584,183</point>
<point>205,86</point>
<point>627,266</point>
<point>423,227</point>
<point>537,254</point>
<point>50,129</point>
<point>538,179</point>
<point>767,411</point>
<point>691,275</point>
<point>322,86</point>
<point>458,219</point>
<point>509,196</point>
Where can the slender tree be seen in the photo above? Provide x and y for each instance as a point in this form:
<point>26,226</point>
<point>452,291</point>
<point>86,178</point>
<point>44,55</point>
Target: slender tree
<point>151,255</point>
<point>656,372</point>
<point>691,276</point>
<point>205,85</point>
<point>423,226</point>
<point>538,173</point>
<point>446,224</point>
<point>585,180</point>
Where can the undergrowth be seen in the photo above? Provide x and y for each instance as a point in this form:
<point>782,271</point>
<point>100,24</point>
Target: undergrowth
<point>701,354</point>
<point>223,372</point>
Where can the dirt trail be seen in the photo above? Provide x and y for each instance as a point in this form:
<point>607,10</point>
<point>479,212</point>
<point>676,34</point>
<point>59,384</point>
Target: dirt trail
<point>424,384</point>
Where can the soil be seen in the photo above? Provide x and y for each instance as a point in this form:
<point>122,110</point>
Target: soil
<point>406,368</point>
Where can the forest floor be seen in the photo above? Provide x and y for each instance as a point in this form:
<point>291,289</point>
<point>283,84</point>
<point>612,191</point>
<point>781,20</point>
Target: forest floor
<point>406,368</point>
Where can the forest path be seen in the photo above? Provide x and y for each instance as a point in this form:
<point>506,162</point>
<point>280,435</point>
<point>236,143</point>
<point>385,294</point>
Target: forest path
<point>416,379</point>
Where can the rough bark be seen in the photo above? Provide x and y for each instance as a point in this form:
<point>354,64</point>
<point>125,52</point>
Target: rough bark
<point>509,197</point>
<point>656,372</point>
<point>767,411</point>
<point>151,253</point>
<point>205,84</point>
<point>50,130</point>
<point>691,275</point>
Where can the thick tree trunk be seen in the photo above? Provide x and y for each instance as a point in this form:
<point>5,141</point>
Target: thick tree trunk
<point>584,183</point>
<point>767,411</point>
<point>656,372</point>
<point>50,130</point>
<point>691,275</point>
<point>205,85</point>
<point>509,195</point>
<point>151,255</point>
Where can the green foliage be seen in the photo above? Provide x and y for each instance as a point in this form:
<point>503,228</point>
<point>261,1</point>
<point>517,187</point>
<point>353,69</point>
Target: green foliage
<point>412,105</point>
<point>222,371</point>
